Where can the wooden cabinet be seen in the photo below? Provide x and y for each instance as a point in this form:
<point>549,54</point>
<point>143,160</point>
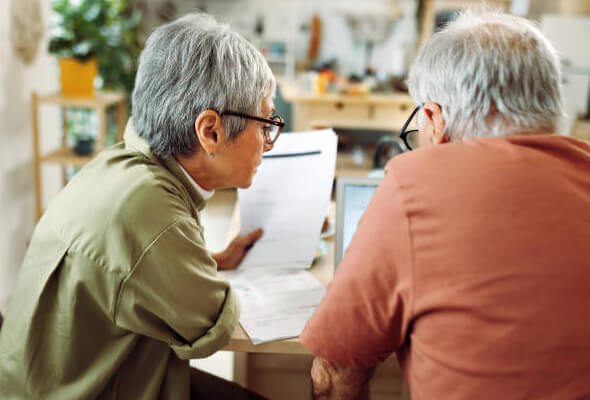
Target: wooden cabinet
<point>376,111</point>
<point>64,155</point>
<point>373,112</point>
<point>581,129</point>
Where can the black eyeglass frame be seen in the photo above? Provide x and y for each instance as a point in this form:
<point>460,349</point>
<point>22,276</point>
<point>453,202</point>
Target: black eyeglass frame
<point>403,133</point>
<point>275,120</point>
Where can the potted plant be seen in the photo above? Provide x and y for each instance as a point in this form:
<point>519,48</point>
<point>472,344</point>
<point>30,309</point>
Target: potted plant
<point>95,37</point>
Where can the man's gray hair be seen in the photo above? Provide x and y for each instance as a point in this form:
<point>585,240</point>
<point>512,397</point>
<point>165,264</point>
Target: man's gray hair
<point>493,74</point>
<point>188,66</point>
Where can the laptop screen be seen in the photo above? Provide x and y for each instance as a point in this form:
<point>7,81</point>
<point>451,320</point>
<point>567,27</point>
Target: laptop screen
<point>352,198</point>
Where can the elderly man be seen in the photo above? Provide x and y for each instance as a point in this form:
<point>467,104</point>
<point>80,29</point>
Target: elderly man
<point>117,290</point>
<point>471,261</point>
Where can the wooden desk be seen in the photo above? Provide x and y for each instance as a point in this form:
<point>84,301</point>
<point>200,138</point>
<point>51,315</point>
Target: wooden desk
<point>323,271</point>
<point>280,369</point>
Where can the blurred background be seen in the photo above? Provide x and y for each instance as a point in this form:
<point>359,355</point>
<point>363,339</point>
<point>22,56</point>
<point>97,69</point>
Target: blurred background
<point>67,69</point>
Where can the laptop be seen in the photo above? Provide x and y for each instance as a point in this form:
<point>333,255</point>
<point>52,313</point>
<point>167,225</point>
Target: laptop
<point>352,198</point>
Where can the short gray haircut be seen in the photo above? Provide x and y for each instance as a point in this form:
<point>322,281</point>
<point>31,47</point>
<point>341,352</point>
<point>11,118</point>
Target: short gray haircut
<point>493,74</point>
<point>188,66</point>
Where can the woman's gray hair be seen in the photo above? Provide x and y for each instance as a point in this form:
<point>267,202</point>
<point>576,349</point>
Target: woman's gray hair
<point>188,66</point>
<point>493,75</point>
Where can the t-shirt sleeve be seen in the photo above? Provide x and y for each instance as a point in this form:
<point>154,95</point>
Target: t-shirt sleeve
<point>367,309</point>
<point>174,294</point>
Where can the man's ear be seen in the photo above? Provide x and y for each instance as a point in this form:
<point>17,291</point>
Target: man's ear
<point>433,112</point>
<point>209,130</point>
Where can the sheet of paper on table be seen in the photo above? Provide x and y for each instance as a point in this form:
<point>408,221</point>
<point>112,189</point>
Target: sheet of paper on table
<point>288,199</point>
<point>275,304</point>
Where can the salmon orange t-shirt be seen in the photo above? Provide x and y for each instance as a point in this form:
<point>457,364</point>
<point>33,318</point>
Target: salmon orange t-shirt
<point>472,263</point>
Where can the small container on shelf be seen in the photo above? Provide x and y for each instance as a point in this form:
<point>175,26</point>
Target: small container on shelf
<point>86,145</point>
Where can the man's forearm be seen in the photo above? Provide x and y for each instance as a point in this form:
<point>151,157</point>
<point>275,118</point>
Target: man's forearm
<point>331,381</point>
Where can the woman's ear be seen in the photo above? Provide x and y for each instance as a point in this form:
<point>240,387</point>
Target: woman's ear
<point>433,113</point>
<point>210,132</point>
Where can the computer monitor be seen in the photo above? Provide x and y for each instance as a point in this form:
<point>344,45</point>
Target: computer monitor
<point>352,198</point>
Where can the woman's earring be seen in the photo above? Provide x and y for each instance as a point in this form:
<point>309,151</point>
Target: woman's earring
<point>212,155</point>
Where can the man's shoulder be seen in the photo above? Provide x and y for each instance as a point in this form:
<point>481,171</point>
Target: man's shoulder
<point>451,153</point>
<point>483,153</point>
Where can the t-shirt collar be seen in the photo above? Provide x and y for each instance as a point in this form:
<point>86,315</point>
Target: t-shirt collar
<point>197,193</point>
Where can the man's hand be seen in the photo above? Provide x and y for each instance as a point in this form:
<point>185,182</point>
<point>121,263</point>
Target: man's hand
<point>334,382</point>
<point>231,257</point>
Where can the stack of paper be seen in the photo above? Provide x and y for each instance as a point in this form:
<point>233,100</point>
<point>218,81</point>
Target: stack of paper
<point>288,200</point>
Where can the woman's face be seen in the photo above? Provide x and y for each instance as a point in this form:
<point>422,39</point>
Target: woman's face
<point>242,156</point>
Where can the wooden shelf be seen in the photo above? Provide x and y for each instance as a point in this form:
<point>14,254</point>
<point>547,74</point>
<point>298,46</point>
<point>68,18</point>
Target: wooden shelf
<point>361,124</point>
<point>65,156</point>
<point>397,98</point>
<point>100,99</point>
<point>581,129</point>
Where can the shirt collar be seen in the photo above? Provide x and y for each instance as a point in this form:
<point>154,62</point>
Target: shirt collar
<point>197,193</point>
<point>205,194</point>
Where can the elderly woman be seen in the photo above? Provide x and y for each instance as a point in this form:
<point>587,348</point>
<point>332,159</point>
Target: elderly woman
<point>471,262</point>
<point>117,291</point>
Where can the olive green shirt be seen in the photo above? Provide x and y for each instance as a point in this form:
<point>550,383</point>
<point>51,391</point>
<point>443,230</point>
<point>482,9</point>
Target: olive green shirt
<point>117,290</point>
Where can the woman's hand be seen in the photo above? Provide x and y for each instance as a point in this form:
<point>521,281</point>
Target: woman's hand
<point>232,256</point>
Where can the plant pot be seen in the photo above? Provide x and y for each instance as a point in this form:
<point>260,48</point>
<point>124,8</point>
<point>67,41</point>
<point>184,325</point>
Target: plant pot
<point>84,146</point>
<point>77,78</point>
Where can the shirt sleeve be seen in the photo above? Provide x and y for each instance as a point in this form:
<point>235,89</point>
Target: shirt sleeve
<point>367,309</point>
<point>174,294</point>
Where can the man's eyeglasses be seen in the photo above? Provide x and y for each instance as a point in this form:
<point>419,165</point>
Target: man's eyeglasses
<point>404,133</point>
<point>273,126</point>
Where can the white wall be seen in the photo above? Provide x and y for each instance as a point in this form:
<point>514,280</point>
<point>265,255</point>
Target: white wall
<point>17,82</point>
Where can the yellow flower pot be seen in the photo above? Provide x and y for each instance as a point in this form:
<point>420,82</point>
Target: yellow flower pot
<point>77,78</point>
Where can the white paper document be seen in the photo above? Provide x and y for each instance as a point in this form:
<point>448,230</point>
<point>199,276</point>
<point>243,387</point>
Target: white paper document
<point>288,199</point>
<point>275,304</point>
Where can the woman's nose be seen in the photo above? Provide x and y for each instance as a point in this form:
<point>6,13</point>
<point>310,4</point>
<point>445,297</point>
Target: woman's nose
<point>267,146</point>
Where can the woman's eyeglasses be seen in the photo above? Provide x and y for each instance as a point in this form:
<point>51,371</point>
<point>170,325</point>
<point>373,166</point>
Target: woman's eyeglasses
<point>273,126</point>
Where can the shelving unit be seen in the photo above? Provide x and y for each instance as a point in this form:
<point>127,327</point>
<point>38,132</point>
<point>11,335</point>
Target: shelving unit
<point>64,155</point>
<point>280,57</point>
